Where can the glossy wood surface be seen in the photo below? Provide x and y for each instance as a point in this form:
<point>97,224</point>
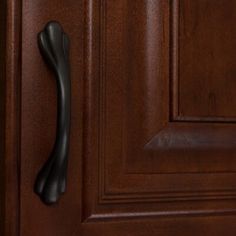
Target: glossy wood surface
<point>153,119</point>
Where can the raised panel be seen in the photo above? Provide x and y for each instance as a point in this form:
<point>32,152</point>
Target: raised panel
<point>139,154</point>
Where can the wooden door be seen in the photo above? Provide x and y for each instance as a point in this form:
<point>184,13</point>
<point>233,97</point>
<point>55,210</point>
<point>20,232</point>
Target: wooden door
<point>153,134</point>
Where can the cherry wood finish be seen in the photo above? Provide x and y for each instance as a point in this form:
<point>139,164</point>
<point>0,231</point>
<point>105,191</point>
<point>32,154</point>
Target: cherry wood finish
<point>153,119</point>
<point>2,109</point>
<point>10,71</point>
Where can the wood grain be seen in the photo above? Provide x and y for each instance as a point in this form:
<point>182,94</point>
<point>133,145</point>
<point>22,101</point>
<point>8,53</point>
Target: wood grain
<point>146,162</point>
<point>206,42</point>
<point>2,110</point>
<point>149,154</point>
<point>10,114</point>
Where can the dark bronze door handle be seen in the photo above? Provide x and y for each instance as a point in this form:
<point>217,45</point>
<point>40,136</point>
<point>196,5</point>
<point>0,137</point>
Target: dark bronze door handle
<point>54,47</point>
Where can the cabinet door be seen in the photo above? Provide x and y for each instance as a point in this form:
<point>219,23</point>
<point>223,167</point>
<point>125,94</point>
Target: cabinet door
<point>153,133</point>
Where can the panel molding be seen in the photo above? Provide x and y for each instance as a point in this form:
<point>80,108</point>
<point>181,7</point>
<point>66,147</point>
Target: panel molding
<point>124,198</point>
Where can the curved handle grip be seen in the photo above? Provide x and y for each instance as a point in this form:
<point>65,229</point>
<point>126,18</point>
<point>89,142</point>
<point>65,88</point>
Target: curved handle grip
<point>54,47</point>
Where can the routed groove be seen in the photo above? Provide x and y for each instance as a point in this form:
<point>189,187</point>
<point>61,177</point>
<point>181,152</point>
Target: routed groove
<point>54,47</point>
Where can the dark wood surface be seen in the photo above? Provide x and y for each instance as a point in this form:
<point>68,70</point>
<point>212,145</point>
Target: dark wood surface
<point>207,62</point>
<point>10,64</point>
<point>153,120</point>
<point>2,109</point>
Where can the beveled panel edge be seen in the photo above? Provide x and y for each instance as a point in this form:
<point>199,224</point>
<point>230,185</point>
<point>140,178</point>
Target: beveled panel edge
<point>203,119</point>
<point>156,214</point>
<point>174,56</point>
